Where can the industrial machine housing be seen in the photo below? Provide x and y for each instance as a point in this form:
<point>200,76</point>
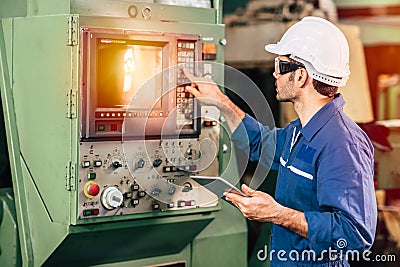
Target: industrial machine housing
<point>102,139</point>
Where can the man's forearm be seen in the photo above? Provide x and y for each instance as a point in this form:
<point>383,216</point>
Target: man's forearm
<point>232,113</point>
<point>293,220</point>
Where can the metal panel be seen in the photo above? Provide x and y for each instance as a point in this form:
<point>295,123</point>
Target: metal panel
<point>143,11</point>
<point>122,241</point>
<point>40,103</point>
<point>163,261</point>
<point>47,7</point>
<point>13,8</point>
<point>134,9</point>
<point>44,235</point>
<point>225,233</point>
<point>14,151</point>
<point>8,43</point>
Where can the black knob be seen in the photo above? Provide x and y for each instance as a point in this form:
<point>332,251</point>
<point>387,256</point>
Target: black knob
<point>191,151</point>
<point>140,163</point>
<point>157,162</point>
<point>116,164</point>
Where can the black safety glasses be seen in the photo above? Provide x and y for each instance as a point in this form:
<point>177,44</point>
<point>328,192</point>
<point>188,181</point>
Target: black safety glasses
<point>283,67</point>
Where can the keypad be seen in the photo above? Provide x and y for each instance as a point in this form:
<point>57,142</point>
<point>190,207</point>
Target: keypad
<point>184,100</point>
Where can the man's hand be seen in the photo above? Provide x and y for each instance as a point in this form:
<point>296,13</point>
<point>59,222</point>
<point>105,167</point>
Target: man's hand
<point>262,207</point>
<point>257,205</point>
<point>205,90</point>
<point>208,93</point>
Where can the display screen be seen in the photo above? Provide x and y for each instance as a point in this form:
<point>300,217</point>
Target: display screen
<point>128,74</point>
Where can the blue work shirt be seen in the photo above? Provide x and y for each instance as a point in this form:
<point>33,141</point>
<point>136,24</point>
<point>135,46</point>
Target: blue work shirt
<point>325,169</point>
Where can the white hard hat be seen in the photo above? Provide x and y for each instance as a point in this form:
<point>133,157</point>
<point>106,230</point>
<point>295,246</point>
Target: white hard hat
<point>320,46</point>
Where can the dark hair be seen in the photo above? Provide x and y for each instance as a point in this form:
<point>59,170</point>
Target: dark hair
<point>324,89</point>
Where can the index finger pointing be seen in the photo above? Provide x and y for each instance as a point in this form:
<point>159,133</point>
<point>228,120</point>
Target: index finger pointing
<point>190,76</point>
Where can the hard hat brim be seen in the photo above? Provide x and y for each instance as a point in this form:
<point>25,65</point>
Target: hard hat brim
<point>272,48</point>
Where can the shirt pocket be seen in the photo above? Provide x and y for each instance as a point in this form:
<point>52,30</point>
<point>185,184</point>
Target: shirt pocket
<point>299,187</point>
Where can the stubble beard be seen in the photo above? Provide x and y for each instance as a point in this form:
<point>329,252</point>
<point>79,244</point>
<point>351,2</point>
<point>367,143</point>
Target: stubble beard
<point>286,93</point>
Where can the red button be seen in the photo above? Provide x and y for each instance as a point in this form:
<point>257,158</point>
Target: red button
<point>209,123</point>
<point>93,189</point>
<point>114,127</point>
<point>95,211</point>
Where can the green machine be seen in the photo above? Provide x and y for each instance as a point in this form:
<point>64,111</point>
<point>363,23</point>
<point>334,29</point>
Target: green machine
<point>102,139</point>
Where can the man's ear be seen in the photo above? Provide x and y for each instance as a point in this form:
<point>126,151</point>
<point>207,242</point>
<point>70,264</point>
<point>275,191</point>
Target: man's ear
<point>302,77</point>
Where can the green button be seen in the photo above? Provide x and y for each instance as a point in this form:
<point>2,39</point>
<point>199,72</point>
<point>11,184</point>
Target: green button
<point>101,128</point>
<point>87,212</point>
<point>91,175</point>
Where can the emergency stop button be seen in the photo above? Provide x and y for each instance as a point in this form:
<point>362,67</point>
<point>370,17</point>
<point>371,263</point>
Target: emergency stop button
<point>91,189</point>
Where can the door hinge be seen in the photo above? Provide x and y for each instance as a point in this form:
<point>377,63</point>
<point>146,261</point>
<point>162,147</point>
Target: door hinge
<point>70,176</point>
<point>71,104</point>
<point>72,30</point>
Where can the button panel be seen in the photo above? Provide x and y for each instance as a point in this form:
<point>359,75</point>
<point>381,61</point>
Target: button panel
<point>184,100</point>
<point>135,114</point>
<point>91,212</point>
<point>150,178</point>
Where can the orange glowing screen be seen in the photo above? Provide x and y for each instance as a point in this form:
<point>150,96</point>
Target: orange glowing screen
<point>128,74</point>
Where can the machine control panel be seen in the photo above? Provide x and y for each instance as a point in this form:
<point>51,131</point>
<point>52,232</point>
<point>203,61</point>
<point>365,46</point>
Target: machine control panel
<point>141,134</point>
<point>137,176</point>
<point>139,180</point>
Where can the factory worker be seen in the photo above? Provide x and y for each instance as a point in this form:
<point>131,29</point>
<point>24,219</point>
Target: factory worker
<point>324,208</point>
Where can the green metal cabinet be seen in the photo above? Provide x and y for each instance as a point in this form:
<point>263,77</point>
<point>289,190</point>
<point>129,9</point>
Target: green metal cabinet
<point>40,90</point>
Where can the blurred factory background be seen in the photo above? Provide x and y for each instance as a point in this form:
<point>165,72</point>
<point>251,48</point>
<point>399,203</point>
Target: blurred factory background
<point>372,93</point>
<point>74,190</point>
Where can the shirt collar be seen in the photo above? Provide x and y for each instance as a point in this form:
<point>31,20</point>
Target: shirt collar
<point>321,117</point>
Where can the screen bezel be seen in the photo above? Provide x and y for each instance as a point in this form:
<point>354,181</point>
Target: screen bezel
<point>168,42</point>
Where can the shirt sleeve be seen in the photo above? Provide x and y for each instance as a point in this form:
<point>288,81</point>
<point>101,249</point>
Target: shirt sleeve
<point>258,141</point>
<point>346,197</point>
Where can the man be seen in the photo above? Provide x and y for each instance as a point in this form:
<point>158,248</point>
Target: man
<point>324,202</point>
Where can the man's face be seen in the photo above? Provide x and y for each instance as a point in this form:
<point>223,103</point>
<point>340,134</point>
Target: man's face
<point>285,87</point>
